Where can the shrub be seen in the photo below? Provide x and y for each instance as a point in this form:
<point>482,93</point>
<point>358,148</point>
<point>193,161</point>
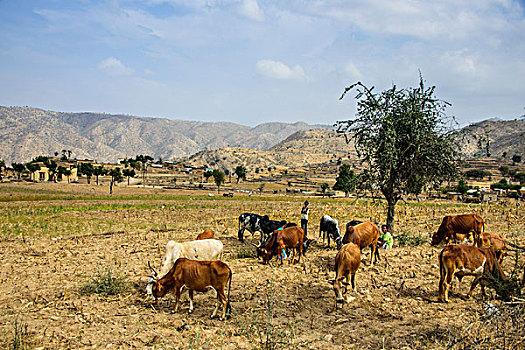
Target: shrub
<point>105,281</point>
<point>409,239</point>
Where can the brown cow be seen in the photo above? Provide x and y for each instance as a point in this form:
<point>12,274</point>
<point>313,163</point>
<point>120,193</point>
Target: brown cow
<point>365,234</point>
<point>347,262</point>
<point>290,237</point>
<point>199,276</point>
<point>207,234</point>
<point>462,224</point>
<point>465,260</point>
<point>495,241</point>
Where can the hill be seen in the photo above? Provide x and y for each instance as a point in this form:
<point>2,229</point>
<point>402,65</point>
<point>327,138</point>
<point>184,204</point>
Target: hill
<point>29,132</point>
<point>501,136</point>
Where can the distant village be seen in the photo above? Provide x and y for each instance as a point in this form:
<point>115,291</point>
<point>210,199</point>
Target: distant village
<point>147,172</point>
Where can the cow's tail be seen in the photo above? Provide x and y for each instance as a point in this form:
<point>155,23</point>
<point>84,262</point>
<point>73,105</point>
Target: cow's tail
<point>228,305</point>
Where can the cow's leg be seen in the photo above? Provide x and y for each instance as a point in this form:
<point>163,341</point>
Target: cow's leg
<point>214,313</point>
<point>352,279</point>
<point>473,285</point>
<point>221,297</point>
<point>240,234</point>
<point>190,292</point>
<point>328,238</point>
<point>373,248</point>
<point>177,299</point>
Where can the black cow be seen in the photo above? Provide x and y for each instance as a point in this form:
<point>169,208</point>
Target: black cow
<point>254,222</point>
<point>331,227</point>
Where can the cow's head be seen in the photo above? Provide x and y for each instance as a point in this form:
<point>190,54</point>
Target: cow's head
<point>152,282</point>
<point>339,242</point>
<point>340,288</point>
<point>265,254</point>
<point>436,239</point>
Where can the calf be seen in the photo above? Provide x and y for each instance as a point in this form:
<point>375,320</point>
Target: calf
<point>196,276</point>
<point>495,241</point>
<point>207,234</point>
<point>291,237</point>
<point>331,227</point>
<point>365,234</point>
<point>347,262</point>
<point>451,225</point>
<point>465,260</point>
<point>206,249</point>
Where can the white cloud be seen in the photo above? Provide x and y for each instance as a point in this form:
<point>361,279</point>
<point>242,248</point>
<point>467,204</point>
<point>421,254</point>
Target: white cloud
<point>251,9</point>
<point>279,70</point>
<point>353,71</point>
<point>113,66</point>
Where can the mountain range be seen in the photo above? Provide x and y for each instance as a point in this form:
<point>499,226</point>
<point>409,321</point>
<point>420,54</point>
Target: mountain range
<point>30,132</point>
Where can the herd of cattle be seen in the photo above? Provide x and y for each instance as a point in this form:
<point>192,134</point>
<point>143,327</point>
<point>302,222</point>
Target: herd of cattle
<point>196,265</point>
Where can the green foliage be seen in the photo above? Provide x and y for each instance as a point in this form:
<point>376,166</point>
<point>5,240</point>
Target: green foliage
<point>504,170</point>
<point>504,185</point>
<point>243,252</point>
<point>462,186</point>
<point>218,176</point>
<point>324,186</point>
<point>19,168</point>
<point>240,171</point>
<point>208,174</point>
<point>516,158</point>
<point>409,239</point>
<point>476,174</point>
<point>403,139</point>
<point>105,281</point>
<point>346,180</point>
<point>520,177</point>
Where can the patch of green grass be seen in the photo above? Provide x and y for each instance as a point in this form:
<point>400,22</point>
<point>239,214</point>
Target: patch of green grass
<point>105,281</point>
<point>20,336</point>
<point>410,239</point>
<point>245,252</point>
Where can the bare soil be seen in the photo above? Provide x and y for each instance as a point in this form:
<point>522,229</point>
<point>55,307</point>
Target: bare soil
<point>273,307</point>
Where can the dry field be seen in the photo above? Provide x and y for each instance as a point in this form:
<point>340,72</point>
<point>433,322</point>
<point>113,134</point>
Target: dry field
<point>55,238</point>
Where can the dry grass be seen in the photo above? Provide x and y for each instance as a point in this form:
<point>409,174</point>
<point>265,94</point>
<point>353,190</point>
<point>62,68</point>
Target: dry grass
<point>54,236</point>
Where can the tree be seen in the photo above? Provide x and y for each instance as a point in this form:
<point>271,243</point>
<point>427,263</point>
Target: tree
<point>504,170</point>
<point>240,171</point>
<point>116,177</point>
<point>51,166</point>
<point>144,168</point>
<point>86,169</point>
<point>208,174</point>
<point>61,171</point>
<point>516,159</point>
<point>218,176</point>
<point>32,168</point>
<point>18,168</point>
<point>99,171</point>
<point>324,187</point>
<point>2,167</point>
<point>346,180</point>
<point>67,173</point>
<point>462,186</point>
<point>128,173</point>
<point>403,139</point>
<point>477,173</point>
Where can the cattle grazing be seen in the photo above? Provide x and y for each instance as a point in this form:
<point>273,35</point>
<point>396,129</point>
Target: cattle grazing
<point>495,241</point>
<point>254,222</point>
<point>347,262</point>
<point>465,260</point>
<point>196,276</point>
<point>207,234</point>
<point>331,227</point>
<point>206,249</point>
<point>365,234</point>
<point>291,237</point>
<point>451,225</point>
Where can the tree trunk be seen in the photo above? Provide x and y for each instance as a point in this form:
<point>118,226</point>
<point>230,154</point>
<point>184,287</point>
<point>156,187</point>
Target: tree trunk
<point>391,212</point>
<point>111,187</point>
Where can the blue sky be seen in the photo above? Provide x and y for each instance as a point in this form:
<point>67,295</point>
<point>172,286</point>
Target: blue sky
<point>254,61</point>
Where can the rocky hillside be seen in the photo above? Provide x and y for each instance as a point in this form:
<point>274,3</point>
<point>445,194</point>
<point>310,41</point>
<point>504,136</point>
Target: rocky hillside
<point>493,138</point>
<point>29,132</point>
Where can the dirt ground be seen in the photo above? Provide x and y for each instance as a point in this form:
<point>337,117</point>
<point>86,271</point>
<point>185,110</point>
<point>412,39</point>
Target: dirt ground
<point>273,307</point>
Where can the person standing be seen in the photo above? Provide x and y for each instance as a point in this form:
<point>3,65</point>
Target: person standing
<point>304,218</point>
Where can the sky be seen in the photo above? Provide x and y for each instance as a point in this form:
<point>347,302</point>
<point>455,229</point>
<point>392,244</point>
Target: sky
<point>256,61</point>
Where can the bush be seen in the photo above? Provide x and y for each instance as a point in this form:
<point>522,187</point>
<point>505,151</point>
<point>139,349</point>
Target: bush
<point>243,253</point>
<point>105,281</point>
<point>409,239</point>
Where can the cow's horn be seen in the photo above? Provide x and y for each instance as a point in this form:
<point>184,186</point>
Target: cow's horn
<point>152,269</point>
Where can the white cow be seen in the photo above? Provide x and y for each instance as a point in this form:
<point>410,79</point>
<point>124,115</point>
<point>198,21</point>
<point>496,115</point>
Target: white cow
<point>205,249</point>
